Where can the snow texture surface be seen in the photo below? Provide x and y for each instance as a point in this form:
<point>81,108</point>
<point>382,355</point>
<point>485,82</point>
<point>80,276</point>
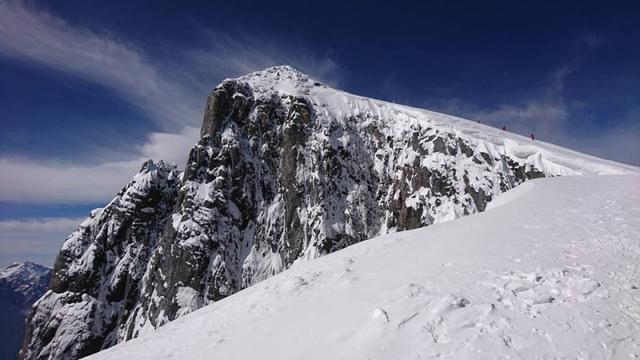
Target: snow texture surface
<point>552,271</point>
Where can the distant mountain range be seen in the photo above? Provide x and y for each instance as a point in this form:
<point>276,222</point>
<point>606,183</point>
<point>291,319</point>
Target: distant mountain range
<point>21,284</point>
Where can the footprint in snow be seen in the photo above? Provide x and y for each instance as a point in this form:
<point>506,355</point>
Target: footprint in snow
<point>537,290</point>
<point>381,314</point>
<point>452,317</point>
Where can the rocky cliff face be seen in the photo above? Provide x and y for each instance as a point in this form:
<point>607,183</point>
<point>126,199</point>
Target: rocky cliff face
<point>98,274</point>
<point>286,169</point>
<point>21,284</point>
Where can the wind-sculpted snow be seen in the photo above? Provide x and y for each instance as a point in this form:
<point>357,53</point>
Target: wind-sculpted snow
<point>552,274</point>
<point>286,170</point>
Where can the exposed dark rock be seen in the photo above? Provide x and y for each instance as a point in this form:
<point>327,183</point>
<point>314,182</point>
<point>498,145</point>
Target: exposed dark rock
<point>97,275</point>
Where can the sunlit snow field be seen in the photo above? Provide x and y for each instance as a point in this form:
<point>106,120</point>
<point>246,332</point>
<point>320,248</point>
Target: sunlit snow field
<point>551,270</point>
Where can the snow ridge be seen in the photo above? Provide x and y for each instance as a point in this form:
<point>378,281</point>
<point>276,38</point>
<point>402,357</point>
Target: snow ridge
<point>332,103</point>
<point>26,278</point>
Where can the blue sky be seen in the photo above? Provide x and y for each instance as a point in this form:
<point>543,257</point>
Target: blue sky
<point>89,90</point>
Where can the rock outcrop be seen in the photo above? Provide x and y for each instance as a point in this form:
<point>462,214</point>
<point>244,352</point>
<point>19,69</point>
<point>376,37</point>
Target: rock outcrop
<point>98,273</point>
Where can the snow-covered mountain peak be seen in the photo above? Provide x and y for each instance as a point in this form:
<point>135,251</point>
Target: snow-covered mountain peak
<point>283,79</point>
<point>26,278</point>
<point>21,284</point>
<point>331,107</point>
<point>24,271</point>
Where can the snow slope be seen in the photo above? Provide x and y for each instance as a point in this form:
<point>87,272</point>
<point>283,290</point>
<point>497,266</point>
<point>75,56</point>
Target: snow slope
<point>551,270</point>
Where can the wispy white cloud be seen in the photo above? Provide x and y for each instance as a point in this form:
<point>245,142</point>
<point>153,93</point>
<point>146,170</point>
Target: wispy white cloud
<point>169,91</point>
<point>34,239</point>
<point>36,36</point>
<point>544,114</point>
<point>29,181</point>
<point>551,117</point>
<point>233,56</point>
<point>20,228</point>
<point>551,121</point>
<point>540,116</point>
<point>172,147</point>
<point>173,104</point>
<point>24,180</point>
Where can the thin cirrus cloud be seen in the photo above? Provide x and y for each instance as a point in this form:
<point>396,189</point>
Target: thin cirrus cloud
<point>36,240</point>
<point>551,117</point>
<point>26,180</point>
<point>36,36</point>
<point>239,55</point>
<point>170,92</point>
